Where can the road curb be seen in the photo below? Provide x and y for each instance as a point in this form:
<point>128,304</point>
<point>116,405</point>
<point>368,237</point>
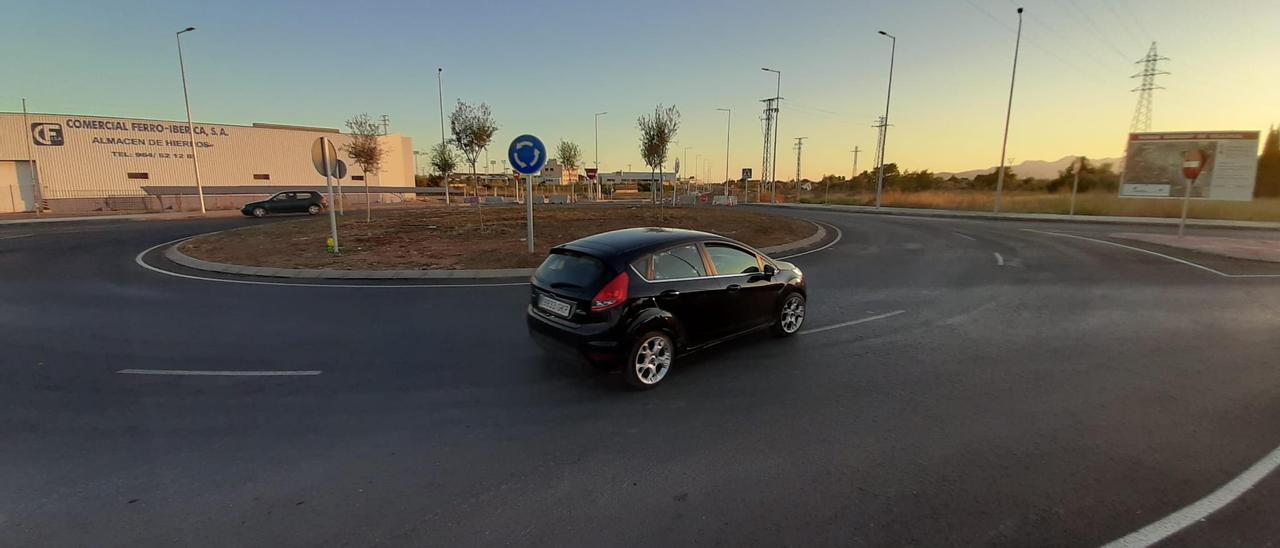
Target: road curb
<point>1043,217</point>
<point>178,257</point>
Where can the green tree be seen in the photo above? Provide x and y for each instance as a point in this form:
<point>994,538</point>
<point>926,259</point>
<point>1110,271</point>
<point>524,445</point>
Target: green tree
<point>443,161</point>
<point>1268,182</point>
<point>1102,177</point>
<point>366,151</point>
<point>570,157</point>
<point>472,127</point>
<point>657,132</point>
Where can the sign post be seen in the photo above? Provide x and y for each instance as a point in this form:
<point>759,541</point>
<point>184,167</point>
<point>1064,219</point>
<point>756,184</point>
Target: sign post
<point>340,175</point>
<point>1192,163</point>
<point>746,185</point>
<point>1075,184</point>
<point>527,155</point>
<point>325,158</point>
<point>592,174</point>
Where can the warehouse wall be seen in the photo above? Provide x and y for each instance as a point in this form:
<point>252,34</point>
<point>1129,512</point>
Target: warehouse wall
<point>82,157</point>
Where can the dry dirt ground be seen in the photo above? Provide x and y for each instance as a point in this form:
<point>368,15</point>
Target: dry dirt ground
<point>453,238</point>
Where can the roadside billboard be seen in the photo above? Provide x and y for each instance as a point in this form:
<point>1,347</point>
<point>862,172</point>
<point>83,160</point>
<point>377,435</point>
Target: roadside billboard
<point>1153,165</point>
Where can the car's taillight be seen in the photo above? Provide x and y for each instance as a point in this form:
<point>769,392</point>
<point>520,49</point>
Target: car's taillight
<point>612,294</point>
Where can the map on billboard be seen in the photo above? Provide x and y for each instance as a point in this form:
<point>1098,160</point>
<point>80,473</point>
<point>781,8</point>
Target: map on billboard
<point>1153,165</point>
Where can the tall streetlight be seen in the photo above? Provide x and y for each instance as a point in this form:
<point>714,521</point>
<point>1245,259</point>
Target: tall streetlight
<point>443,142</point>
<point>1007,113</point>
<point>597,124</point>
<point>893,48</point>
<point>777,105</point>
<point>727,125</point>
<point>195,164</point>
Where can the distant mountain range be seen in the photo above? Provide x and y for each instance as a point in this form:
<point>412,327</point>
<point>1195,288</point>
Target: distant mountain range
<point>1038,169</point>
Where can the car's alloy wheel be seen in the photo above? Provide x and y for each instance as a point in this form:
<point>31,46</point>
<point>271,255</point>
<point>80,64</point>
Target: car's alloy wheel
<point>313,209</point>
<point>259,212</point>
<point>792,315</point>
<point>650,360</point>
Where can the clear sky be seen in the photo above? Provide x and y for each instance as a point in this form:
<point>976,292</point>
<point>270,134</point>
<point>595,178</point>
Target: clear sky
<point>545,67</point>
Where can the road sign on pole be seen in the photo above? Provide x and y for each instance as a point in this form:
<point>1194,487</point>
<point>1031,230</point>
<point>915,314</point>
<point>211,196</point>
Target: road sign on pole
<point>1192,163</point>
<point>325,157</point>
<point>527,155</point>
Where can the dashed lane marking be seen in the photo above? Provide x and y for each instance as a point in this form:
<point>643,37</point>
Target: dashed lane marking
<point>849,323</point>
<point>999,258</point>
<point>199,373</point>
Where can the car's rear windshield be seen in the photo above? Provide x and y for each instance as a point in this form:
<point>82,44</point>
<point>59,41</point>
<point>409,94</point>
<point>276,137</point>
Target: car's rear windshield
<point>570,271</point>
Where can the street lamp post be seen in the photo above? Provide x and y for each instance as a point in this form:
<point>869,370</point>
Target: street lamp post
<point>727,125</point>
<point>1004,144</point>
<point>884,131</point>
<point>599,193</point>
<point>773,179</point>
<point>440,92</point>
<point>191,136</point>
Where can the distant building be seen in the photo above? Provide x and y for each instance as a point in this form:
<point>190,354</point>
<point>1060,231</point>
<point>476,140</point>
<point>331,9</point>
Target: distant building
<point>634,177</point>
<point>74,163</point>
<point>555,174</point>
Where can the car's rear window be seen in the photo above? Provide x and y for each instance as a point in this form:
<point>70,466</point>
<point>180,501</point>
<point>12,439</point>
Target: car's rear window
<point>564,269</point>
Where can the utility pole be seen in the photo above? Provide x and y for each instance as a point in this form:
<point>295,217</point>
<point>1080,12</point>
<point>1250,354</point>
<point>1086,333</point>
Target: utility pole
<point>386,124</point>
<point>777,104</point>
<point>599,188</point>
<point>443,142</point>
<point>766,164</point>
<point>1150,69</point>
<point>884,122</point>
<point>1008,113</point>
<point>727,126</point>
<point>799,150</point>
<point>855,152</point>
<point>191,135</point>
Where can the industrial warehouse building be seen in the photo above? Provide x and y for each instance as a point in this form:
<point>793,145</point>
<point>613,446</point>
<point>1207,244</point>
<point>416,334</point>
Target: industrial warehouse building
<point>74,163</point>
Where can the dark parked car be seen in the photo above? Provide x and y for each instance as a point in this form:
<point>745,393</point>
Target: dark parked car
<point>299,201</point>
<point>640,297</point>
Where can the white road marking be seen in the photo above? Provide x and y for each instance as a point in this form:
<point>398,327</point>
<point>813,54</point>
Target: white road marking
<point>1202,508</point>
<point>1149,252</point>
<point>999,258</point>
<point>965,236</point>
<point>15,236</point>
<point>143,264</point>
<point>849,323</point>
<point>196,373</point>
<point>839,234</point>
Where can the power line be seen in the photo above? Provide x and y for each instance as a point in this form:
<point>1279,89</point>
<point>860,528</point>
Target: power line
<point>1093,27</point>
<point>1035,44</point>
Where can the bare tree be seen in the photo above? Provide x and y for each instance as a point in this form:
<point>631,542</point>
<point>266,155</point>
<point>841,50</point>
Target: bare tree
<point>657,132</point>
<point>366,151</point>
<point>570,157</point>
<point>444,161</point>
<point>473,128</point>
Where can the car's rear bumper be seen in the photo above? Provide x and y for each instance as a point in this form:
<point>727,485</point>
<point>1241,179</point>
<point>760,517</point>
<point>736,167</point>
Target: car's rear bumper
<point>593,344</point>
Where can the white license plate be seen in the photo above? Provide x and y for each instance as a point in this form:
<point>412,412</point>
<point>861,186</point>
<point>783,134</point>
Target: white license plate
<point>554,306</point>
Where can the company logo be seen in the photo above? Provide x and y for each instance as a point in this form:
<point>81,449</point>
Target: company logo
<point>46,134</point>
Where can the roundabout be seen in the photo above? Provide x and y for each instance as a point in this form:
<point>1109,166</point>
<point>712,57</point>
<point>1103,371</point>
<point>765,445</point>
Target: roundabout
<point>955,382</point>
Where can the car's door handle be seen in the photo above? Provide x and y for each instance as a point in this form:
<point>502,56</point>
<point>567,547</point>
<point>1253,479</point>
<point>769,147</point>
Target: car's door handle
<point>733,288</point>
<point>669,294</point>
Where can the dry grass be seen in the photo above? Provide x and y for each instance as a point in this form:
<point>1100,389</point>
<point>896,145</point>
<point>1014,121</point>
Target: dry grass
<point>451,237</point>
<point>1092,203</point>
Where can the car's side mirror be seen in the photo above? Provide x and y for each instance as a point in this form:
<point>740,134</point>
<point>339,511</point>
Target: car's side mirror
<point>769,270</point>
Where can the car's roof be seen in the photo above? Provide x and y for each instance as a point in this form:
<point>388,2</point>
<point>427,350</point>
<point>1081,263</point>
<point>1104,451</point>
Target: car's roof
<point>632,241</point>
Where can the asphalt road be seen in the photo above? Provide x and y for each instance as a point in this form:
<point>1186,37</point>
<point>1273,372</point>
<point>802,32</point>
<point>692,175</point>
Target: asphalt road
<point>1066,392</point>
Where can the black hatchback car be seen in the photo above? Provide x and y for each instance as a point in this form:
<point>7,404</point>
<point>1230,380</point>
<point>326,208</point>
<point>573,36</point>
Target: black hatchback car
<point>299,201</point>
<point>640,297</point>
